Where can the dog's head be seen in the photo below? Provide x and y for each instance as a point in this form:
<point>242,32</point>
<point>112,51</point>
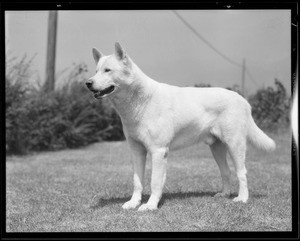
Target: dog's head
<point>113,72</point>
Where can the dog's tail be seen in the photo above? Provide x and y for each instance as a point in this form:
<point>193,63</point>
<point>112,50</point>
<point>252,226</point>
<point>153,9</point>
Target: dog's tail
<point>258,138</point>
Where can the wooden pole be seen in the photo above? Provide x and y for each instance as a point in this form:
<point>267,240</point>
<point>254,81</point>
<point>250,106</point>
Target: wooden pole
<point>243,78</point>
<point>51,49</point>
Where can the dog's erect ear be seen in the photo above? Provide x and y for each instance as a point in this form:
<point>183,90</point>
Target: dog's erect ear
<point>97,55</point>
<point>121,54</point>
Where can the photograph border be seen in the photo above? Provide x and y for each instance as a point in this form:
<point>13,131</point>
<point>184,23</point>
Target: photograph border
<point>155,5</point>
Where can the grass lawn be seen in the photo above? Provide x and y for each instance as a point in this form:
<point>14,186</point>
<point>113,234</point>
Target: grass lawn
<point>84,189</point>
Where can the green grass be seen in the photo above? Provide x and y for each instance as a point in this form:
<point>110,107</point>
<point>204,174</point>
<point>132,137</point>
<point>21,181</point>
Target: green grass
<point>84,189</point>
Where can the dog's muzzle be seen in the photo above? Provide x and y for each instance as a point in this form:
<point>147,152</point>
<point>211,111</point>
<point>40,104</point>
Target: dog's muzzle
<point>99,93</point>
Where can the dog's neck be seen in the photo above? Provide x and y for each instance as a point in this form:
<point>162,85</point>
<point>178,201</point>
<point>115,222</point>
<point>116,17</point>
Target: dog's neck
<point>129,101</point>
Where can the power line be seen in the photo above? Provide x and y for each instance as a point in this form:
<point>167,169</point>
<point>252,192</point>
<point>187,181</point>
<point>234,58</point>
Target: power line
<point>205,41</point>
<point>243,66</point>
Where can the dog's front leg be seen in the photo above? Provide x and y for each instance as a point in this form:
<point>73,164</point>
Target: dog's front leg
<point>158,178</point>
<point>139,160</point>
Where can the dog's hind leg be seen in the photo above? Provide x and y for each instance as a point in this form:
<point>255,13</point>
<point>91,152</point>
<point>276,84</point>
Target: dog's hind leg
<point>237,151</point>
<point>139,161</point>
<point>219,151</point>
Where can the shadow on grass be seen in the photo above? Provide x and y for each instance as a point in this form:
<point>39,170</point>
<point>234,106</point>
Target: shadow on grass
<point>170,196</point>
<point>183,195</point>
<point>100,202</point>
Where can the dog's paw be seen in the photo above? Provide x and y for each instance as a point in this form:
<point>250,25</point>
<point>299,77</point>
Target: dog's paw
<point>131,204</point>
<point>240,199</point>
<point>146,207</point>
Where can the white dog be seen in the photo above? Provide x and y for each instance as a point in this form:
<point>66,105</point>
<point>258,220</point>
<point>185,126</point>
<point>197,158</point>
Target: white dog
<point>157,118</point>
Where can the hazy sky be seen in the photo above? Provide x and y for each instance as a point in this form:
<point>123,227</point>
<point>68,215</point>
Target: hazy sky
<point>163,47</point>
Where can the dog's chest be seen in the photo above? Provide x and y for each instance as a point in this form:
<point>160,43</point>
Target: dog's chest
<point>150,132</point>
<point>161,133</point>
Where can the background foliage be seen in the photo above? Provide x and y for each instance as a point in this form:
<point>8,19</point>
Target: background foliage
<point>70,117</point>
<point>271,107</point>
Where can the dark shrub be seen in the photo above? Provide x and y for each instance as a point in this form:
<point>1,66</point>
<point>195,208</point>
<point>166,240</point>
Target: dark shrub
<point>271,107</point>
<point>17,76</point>
<point>69,117</point>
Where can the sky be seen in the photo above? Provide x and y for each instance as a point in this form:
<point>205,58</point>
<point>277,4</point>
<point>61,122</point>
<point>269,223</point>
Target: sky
<point>162,45</point>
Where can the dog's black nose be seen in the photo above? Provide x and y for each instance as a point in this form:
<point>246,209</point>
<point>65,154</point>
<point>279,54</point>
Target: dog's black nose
<point>89,83</point>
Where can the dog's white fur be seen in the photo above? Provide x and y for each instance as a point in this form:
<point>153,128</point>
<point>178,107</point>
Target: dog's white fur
<point>158,117</point>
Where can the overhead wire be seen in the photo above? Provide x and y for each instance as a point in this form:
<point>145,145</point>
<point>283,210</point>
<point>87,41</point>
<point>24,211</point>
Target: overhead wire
<point>205,41</point>
<point>214,48</point>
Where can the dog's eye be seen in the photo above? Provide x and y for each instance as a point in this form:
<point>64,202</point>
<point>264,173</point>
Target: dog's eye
<point>106,70</point>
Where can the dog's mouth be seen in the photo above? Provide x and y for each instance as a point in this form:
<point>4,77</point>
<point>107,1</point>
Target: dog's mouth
<point>101,93</point>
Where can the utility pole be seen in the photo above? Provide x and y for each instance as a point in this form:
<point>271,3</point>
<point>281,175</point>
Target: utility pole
<point>51,49</point>
<point>243,77</point>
